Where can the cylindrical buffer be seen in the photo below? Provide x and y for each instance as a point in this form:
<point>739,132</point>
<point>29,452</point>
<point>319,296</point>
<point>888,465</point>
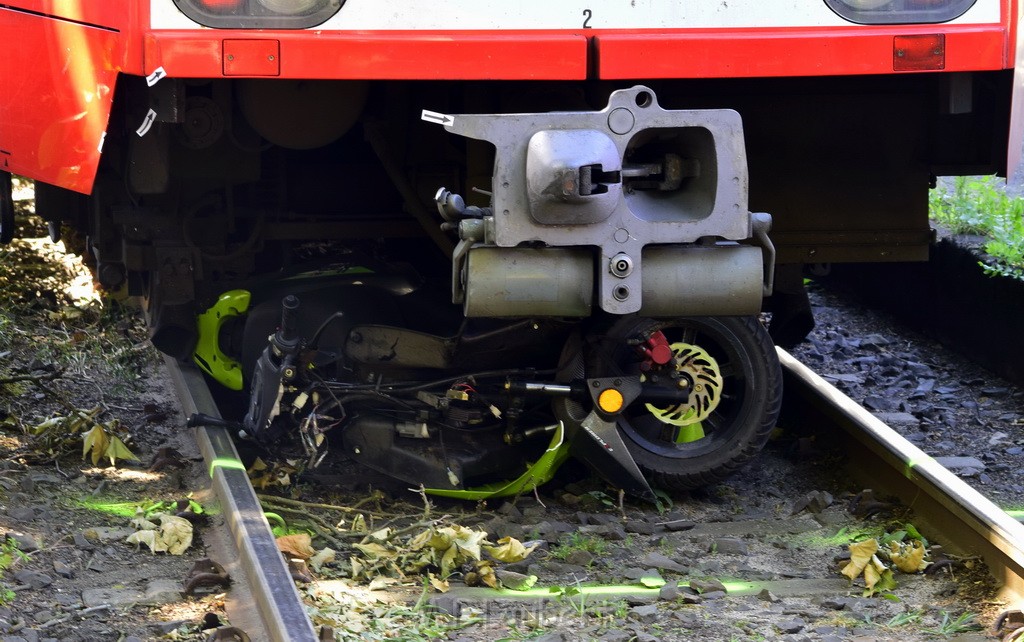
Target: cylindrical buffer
<point>525,282</point>
<point>721,280</point>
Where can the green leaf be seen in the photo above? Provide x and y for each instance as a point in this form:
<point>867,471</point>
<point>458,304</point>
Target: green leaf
<point>117,450</point>
<point>524,585</point>
<point>885,582</point>
<point>915,534</point>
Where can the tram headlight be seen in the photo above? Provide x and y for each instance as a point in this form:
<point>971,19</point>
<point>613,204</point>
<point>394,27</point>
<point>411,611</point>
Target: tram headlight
<point>899,11</point>
<point>259,14</point>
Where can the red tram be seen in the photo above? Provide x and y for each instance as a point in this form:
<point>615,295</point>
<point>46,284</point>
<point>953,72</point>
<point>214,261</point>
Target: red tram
<point>639,177</point>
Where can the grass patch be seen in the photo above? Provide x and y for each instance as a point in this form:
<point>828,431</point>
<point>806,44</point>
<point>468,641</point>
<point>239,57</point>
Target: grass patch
<point>950,625</point>
<point>979,205</point>
<point>579,542</point>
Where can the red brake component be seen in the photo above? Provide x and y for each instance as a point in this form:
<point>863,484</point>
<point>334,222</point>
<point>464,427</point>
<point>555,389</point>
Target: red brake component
<point>656,350</point>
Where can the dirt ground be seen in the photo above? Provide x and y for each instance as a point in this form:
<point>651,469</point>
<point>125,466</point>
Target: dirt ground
<point>72,370</point>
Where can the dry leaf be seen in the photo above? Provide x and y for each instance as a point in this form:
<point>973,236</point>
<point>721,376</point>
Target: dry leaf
<point>509,550</point>
<point>380,582</point>
<point>173,536</point>
<point>439,585</point>
<point>176,532</point>
<point>358,524</point>
<point>909,558</point>
<point>143,524</point>
<point>488,577</point>
<point>375,551</point>
<point>468,540</point>
<point>96,442</point>
<point>860,555</point>
<point>298,545</point>
<point>322,557</point>
<point>150,538</point>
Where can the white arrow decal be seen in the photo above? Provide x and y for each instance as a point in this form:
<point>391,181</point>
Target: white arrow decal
<point>155,77</point>
<point>436,117</point>
<point>146,123</point>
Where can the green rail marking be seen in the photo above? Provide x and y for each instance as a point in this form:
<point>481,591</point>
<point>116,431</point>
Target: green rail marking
<point>228,463</point>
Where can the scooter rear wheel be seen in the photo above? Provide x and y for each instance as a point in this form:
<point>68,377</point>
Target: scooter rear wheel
<point>728,419</point>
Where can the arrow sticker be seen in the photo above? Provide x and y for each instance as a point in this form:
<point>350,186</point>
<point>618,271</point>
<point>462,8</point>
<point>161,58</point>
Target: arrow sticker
<point>155,77</point>
<point>147,122</point>
<point>435,117</point>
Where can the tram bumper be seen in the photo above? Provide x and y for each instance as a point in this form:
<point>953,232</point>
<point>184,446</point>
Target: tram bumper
<point>631,209</point>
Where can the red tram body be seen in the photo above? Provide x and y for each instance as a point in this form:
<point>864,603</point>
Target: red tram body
<point>199,146</point>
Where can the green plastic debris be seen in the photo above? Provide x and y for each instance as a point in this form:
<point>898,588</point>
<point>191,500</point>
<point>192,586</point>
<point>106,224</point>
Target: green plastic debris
<point>208,355</point>
<point>539,473</point>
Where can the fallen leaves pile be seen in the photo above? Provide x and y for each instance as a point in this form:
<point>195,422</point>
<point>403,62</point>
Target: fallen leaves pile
<point>100,440</point>
<point>436,553</point>
<point>384,558</point>
<point>173,533</point>
<point>905,555</point>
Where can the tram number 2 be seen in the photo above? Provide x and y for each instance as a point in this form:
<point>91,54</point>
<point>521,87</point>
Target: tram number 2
<point>587,15</point>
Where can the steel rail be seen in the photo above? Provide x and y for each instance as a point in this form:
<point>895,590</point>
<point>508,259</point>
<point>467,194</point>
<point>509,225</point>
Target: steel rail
<point>966,522</point>
<point>282,615</point>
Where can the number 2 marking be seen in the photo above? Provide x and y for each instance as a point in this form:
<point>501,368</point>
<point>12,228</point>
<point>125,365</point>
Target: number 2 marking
<point>589,14</point>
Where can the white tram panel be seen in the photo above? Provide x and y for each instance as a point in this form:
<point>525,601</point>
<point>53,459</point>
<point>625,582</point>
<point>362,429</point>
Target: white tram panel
<point>489,15</point>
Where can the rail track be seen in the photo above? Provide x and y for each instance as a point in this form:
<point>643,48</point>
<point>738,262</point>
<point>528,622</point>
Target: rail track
<point>971,525</point>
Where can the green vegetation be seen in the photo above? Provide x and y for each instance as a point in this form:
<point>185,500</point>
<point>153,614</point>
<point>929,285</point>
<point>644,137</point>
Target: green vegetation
<point>979,205</point>
<point>905,619</point>
<point>578,542</point>
<point>950,625</point>
<point>9,552</point>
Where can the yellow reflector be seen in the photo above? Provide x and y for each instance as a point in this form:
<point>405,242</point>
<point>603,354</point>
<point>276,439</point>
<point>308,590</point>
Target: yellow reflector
<point>610,400</point>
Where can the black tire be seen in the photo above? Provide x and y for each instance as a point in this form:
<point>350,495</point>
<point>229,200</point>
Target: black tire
<point>735,431</point>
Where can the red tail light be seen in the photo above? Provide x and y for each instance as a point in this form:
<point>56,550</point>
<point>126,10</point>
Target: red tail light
<point>259,14</point>
<point>922,52</point>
